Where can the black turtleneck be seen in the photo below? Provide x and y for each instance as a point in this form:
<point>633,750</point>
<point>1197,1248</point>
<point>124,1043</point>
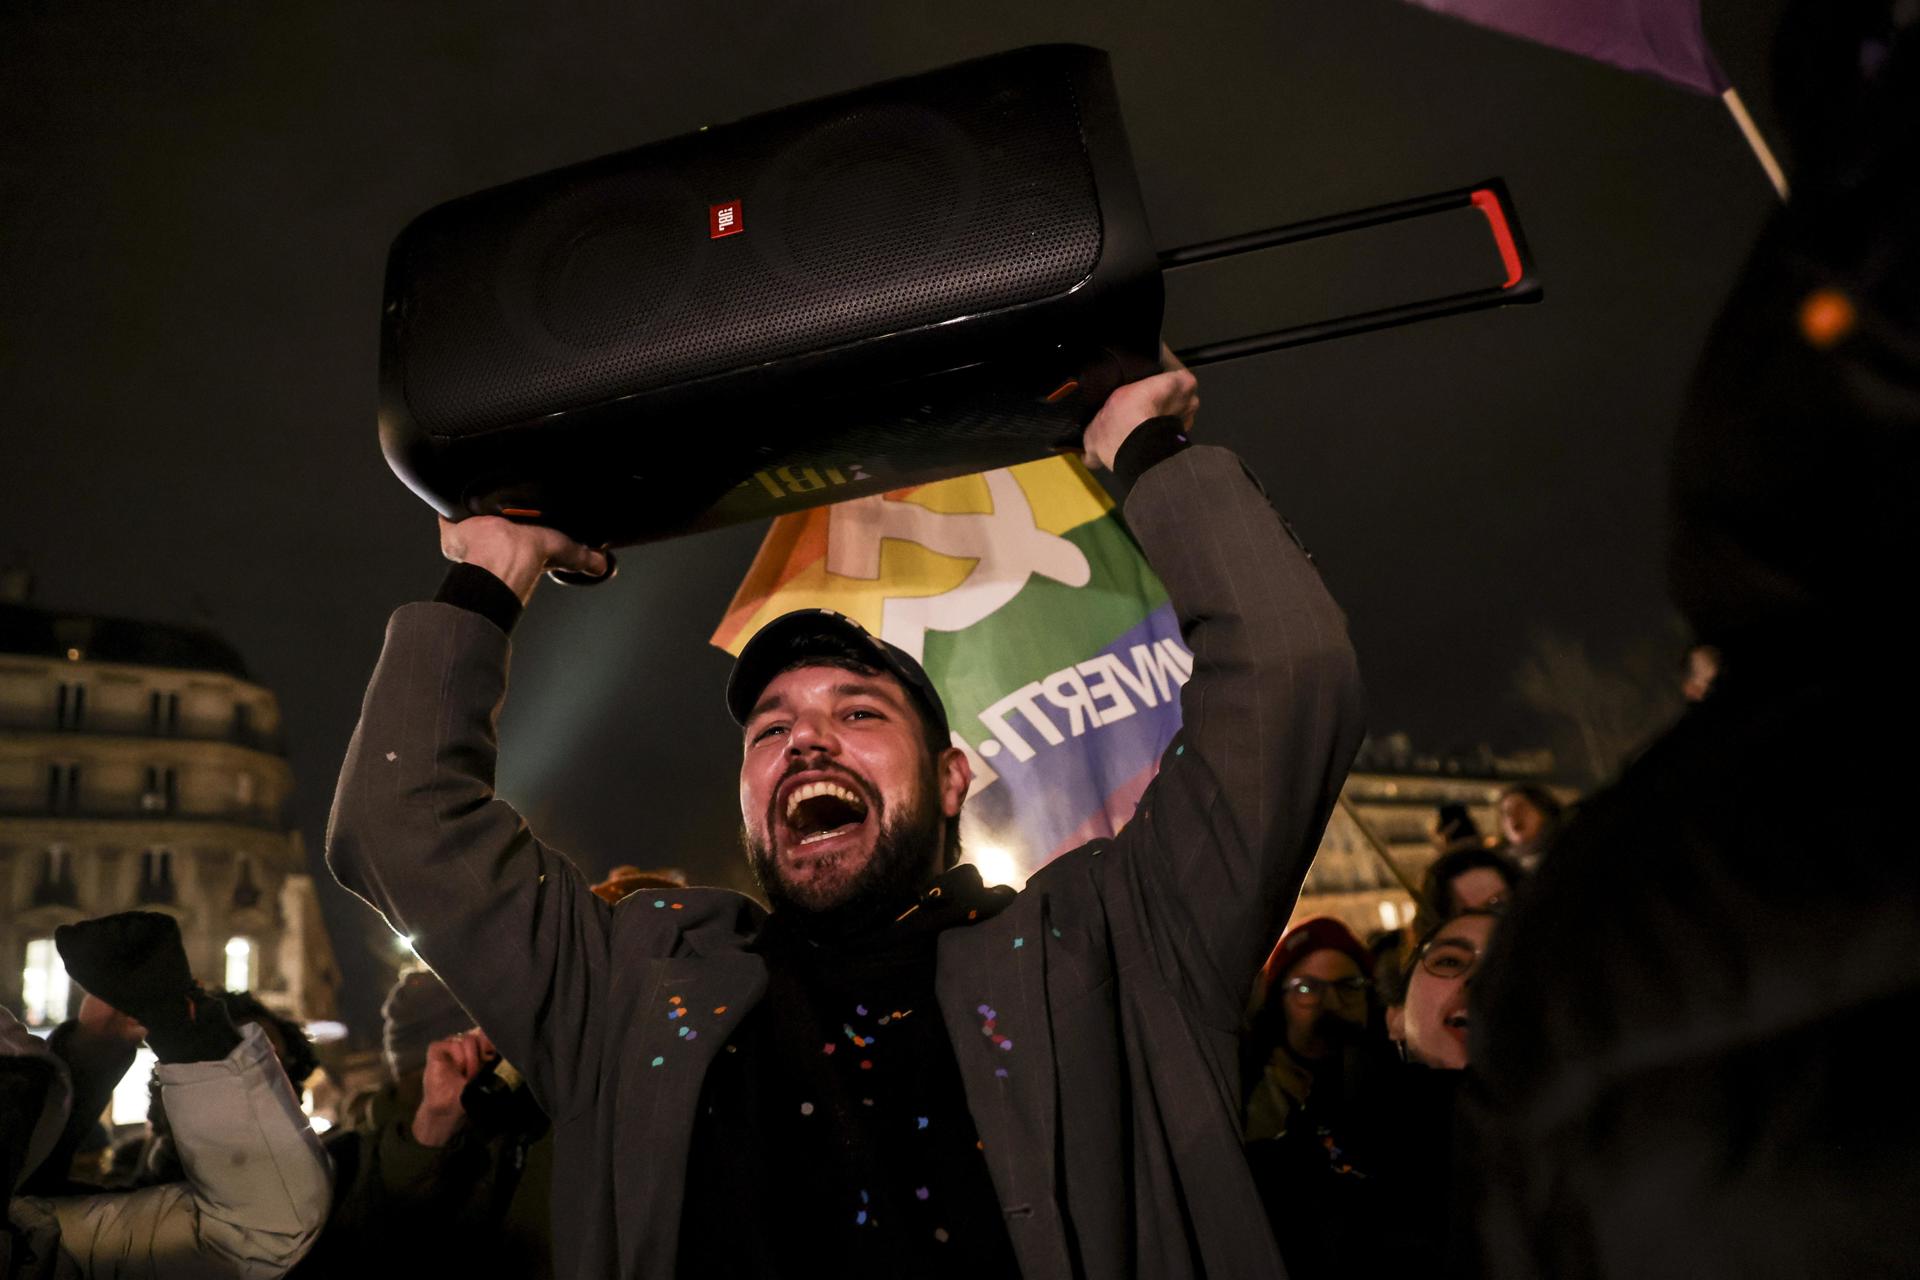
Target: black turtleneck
<point>833,1131</point>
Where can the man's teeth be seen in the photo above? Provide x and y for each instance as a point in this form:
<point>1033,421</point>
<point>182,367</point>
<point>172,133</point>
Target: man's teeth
<point>825,835</point>
<point>810,790</point>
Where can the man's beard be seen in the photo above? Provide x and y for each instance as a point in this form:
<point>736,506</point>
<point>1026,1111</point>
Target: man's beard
<point>904,859</point>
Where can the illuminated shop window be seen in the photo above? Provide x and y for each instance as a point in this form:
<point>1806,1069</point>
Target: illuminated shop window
<point>130,1095</point>
<point>240,964</point>
<point>43,984</point>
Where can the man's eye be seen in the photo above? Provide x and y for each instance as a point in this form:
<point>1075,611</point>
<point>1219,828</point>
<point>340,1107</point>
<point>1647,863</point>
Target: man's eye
<point>862,713</point>
<point>769,731</point>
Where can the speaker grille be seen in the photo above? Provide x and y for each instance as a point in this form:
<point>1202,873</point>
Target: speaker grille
<point>900,207</point>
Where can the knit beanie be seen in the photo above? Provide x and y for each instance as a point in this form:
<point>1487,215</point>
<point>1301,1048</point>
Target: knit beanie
<point>418,1011</point>
<point>1322,933</point>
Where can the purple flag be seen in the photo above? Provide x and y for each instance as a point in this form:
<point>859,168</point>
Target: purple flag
<point>1661,38</point>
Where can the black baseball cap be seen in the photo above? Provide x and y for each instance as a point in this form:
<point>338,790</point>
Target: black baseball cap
<point>790,639</point>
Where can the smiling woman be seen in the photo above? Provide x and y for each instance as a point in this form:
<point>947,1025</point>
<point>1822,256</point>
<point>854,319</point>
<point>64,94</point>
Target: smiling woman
<point>1431,1026</point>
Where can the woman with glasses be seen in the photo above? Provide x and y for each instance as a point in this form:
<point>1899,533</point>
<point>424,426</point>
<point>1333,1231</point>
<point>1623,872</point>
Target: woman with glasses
<point>1313,1008</point>
<point>1364,1182</point>
<point>1431,1025</point>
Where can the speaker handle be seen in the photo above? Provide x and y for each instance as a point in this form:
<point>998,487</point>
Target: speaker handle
<point>1490,197</point>
<point>573,578</point>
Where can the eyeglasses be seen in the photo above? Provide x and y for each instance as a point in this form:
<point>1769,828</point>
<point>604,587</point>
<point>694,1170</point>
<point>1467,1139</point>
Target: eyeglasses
<point>1449,958</point>
<point>1318,988</point>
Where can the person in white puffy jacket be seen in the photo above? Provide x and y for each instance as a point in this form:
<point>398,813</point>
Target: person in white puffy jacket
<point>258,1182</point>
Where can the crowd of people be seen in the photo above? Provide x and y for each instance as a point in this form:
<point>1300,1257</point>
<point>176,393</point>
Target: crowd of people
<point>1650,1037</point>
<point>1352,1056</point>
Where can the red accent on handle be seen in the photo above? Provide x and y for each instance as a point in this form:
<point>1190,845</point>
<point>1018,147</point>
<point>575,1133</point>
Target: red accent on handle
<point>1488,203</point>
<point>523,513</point>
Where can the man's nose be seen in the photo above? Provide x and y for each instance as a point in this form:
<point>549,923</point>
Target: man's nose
<point>812,734</point>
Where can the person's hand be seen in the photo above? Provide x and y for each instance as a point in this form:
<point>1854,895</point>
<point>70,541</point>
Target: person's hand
<point>102,1024</point>
<point>1172,393</point>
<point>450,1064</point>
<point>517,554</point>
<point>134,961</point>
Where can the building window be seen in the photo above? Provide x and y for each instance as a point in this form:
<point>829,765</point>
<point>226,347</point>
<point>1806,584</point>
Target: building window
<point>63,788</point>
<point>43,984</point>
<point>245,892</point>
<point>243,723</point>
<point>56,886</point>
<point>70,704</point>
<point>240,964</point>
<point>243,788</point>
<point>162,791</point>
<point>156,877</point>
<point>163,713</point>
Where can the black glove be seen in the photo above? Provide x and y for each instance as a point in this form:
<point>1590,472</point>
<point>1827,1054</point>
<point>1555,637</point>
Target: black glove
<point>136,962</point>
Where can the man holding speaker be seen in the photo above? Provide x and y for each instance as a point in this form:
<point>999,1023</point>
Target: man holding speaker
<point>897,1071</point>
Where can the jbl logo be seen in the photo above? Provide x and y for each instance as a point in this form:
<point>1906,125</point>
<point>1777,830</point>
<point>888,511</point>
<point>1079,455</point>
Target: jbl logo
<point>724,220</point>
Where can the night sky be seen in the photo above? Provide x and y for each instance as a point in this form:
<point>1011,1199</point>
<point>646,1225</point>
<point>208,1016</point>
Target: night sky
<point>196,203</point>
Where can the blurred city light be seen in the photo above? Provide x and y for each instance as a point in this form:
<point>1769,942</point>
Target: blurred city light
<point>997,865</point>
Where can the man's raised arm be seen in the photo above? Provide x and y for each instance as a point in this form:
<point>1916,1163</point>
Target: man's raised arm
<point>1271,718</point>
<point>417,831</point>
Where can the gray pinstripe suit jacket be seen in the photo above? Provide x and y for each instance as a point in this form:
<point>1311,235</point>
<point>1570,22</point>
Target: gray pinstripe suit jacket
<point>1113,1139</point>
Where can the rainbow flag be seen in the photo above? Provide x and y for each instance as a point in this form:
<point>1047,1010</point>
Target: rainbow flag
<point>1025,598</point>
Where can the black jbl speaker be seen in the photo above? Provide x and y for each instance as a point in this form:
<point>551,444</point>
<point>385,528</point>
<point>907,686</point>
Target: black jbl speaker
<point>924,278</point>
<point>932,276</point>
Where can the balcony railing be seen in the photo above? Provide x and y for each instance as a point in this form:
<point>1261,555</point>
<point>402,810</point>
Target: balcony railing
<point>95,724</point>
<point>14,804</point>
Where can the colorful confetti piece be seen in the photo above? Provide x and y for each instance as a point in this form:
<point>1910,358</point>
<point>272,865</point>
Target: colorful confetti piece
<point>1001,1072</point>
<point>866,1064</point>
<point>921,1193</point>
<point>940,1234</point>
<point>659,902</point>
<point>806,1108</point>
<point>720,1008</point>
<point>921,1122</point>
<point>658,1061</point>
<point>1019,943</point>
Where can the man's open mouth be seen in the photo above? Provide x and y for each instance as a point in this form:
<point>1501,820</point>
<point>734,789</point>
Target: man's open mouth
<point>818,811</point>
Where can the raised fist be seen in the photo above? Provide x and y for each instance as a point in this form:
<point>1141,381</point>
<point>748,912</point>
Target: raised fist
<point>134,961</point>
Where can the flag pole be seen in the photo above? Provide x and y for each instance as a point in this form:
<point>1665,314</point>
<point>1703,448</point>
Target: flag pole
<point>1761,151</point>
<point>1378,846</point>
